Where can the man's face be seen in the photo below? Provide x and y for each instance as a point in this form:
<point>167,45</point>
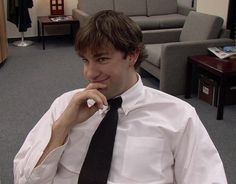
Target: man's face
<point>110,67</point>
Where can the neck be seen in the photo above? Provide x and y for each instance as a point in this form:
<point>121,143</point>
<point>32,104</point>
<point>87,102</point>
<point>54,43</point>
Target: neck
<point>133,79</point>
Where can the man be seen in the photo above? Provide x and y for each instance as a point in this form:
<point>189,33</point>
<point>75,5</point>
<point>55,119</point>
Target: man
<point>159,138</point>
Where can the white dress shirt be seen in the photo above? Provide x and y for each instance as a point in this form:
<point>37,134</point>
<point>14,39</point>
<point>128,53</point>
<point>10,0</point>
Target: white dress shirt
<point>159,140</point>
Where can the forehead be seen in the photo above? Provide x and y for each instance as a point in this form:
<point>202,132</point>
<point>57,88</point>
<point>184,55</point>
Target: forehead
<point>102,50</point>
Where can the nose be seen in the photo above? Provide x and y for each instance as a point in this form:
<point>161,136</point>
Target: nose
<point>91,71</point>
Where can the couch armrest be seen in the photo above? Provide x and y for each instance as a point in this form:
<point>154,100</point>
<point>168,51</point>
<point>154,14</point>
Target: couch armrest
<point>174,62</point>
<point>184,10</point>
<point>80,15</point>
<point>161,36</point>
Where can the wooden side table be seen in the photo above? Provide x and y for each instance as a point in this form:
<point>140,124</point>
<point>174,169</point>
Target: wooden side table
<point>223,70</point>
<point>46,21</point>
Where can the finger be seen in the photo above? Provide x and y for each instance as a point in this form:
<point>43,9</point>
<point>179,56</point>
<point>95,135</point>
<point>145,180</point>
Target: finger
<point>96,86</point>
<point>102,96</point>
<point>91,87</point>
<point>95,95</point>
<point>98,97</point>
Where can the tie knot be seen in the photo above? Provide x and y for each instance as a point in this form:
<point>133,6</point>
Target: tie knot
<point>115,102</point>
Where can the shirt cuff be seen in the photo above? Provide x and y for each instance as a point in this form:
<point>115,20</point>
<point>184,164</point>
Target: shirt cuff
<point>46,171</point>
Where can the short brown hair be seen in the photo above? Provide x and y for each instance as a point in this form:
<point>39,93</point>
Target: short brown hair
<point>110,27</point>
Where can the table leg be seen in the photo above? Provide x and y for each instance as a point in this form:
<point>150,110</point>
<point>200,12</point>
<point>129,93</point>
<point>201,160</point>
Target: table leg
<point>71,30</point>
<point>38,30</point>
<point>43,37</point>
<point>188,84</point>
<point>221,100</point>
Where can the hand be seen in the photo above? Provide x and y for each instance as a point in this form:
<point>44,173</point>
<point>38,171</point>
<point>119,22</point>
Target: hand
<point>78,111</point>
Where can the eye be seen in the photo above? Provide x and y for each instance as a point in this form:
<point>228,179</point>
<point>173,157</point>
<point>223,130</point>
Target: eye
<point>85,61</point>
<point>103,59</point>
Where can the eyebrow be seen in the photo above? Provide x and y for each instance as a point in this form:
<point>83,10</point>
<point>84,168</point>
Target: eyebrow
<point>100,54</point>
<point>96,55</point>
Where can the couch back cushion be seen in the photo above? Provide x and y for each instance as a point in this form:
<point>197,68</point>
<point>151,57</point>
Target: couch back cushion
<point>131,7</point>
<point>93,6</point>
<point>161,7</point>
<point>200,26</point>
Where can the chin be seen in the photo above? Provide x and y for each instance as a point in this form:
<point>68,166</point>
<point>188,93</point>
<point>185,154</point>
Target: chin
<point>107,93</point>
<point>104,92</point>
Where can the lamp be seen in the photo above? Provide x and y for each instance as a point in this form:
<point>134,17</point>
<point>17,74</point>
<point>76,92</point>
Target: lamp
<point>57,7</point>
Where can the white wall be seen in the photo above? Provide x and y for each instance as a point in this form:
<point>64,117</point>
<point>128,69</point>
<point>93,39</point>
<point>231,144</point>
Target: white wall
<point>40,8</point>
<point>214,7</point>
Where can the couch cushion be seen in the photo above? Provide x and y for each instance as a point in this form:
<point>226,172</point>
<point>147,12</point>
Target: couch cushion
<point>161,7</point>
<point>200,26</point>
<point>131,7</point>
<point>171,21</point>
<point>146,23</point>
<point>154,54</point>
<point>94,6</point>
<point>159,21</point>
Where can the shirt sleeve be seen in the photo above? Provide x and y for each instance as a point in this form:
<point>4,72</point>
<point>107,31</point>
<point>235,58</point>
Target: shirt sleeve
<point>32,149</point>
<point>196,158</point>
<point>45,172</point>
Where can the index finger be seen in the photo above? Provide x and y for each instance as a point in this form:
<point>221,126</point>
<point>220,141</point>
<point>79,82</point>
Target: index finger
<point>96,86</point>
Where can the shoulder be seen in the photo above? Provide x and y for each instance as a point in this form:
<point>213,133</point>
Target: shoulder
<point>167,111</point>
<point>166,102</point>
<point>162,97</point>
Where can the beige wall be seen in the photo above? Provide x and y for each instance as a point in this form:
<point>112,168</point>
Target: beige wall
<point>41,7</point>
<point>214,7</point>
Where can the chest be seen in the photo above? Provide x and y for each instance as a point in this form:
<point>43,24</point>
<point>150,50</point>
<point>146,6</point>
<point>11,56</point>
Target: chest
<point>141,148</point>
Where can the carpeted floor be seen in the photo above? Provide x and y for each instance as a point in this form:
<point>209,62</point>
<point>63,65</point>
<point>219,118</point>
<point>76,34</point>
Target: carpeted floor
<point>32,78</point>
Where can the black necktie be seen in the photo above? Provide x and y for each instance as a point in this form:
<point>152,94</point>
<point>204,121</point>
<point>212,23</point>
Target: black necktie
<point>96,166</point>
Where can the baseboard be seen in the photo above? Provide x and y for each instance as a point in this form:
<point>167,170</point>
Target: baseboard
<point>35,38</point>
<point>10,40</point>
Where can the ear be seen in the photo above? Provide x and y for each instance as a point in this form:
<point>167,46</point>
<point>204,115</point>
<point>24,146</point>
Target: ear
<point>133,57</point>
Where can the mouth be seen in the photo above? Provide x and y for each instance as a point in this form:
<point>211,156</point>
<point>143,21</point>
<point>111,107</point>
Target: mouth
<point>101,81</point>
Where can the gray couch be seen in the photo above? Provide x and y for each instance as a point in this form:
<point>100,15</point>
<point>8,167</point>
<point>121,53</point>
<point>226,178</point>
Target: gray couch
<point>169,50</point>
<point>149,14</point>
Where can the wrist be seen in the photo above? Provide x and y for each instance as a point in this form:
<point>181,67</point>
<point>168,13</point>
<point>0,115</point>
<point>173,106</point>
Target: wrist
<point>60,131</point>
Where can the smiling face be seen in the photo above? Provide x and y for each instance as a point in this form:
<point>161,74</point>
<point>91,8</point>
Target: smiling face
<point>110,67</point>
<point>111,46</point>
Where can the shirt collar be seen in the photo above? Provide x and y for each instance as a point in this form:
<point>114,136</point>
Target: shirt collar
<point>132,96</point>
<point>129,97</point>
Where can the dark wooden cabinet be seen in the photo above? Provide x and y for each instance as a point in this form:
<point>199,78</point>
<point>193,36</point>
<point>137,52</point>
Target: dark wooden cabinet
<point>223,71</point>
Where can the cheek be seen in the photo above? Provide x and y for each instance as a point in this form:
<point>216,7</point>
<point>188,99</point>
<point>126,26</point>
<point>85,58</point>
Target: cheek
<point>85,72</point>
<point>86,75</point>
<point>118,77</point>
